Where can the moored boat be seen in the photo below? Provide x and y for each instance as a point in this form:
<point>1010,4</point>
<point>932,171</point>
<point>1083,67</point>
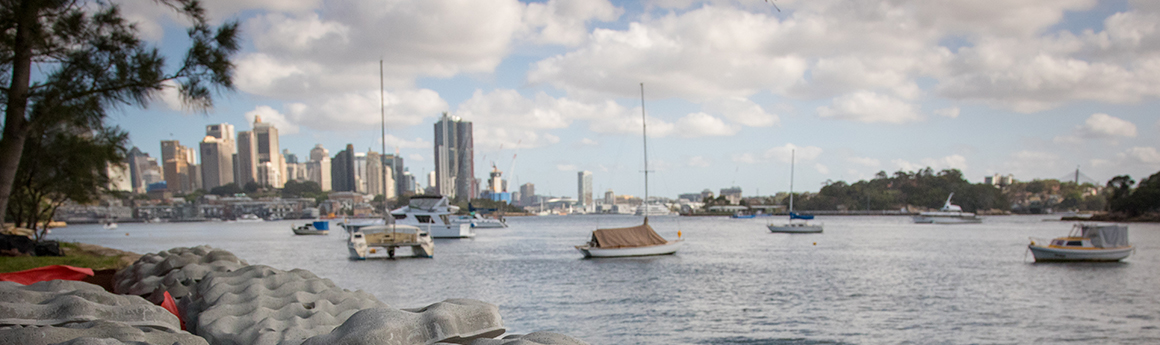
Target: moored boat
<point>1086,242</point>
<point>948,214</point>
<point>478,221</point>
<point>315,228</point>
<point>433,213</point>
<point>791,227</point>
<point>383,240</point>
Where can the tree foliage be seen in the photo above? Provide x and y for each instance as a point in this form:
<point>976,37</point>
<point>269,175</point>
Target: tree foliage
<point>1133,203</point>
<point>59,164</point>
<point>923,188</point>
<point>305,189</point>
<point>229,189</point>
<point>65,62</point>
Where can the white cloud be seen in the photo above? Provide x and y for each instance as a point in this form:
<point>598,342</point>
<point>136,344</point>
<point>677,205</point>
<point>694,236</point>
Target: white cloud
<point>563,21</point>
<point>269,115</point>
<point>396,142</point>
<point>1142,155</point>
<point>822,169</point>
<point>588,142</point>
<point>743,111</point>
<point>790,151</point>
<point>359,111</point>
<point>171,96</point>
<point>1099,126</point>
<point>746,158</point>
<point>703,125</point>
<point>948,112</point>
<point>870,107</point>
<point>864,161</point>
<point>948,162</point>
<point>415,157</point>
<point>506,118</point>
<point>698,161</point>
<point>1033,163</point>
<point>566,167</point>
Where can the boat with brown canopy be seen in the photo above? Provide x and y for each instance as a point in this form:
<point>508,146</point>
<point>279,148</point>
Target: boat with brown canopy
<point>640,240</point>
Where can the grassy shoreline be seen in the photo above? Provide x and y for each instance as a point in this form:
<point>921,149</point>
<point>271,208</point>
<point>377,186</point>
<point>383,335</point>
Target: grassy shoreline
<point>76,254</point>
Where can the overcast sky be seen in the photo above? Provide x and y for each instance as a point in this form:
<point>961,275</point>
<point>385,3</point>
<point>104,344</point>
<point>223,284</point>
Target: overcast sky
<point>1033,88</point>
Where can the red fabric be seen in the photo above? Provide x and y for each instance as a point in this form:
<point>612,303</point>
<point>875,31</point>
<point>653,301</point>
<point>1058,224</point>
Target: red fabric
<point>47,273</point>
<point>171,305</point>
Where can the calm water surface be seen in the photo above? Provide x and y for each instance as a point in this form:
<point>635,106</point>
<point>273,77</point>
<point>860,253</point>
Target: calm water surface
<point>865,280</point>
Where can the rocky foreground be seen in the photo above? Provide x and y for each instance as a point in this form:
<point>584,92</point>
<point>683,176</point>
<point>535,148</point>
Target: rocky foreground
<point>223,300</point>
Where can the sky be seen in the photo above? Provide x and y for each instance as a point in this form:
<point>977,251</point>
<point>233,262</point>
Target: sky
<point>1033,88</point>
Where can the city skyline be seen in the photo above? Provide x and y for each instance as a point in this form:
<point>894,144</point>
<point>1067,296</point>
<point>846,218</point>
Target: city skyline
<point>1029,89</point>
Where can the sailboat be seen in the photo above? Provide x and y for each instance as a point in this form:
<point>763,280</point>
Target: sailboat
<point>638,240</point>
<point>386,235</point>
<point>792,227</point>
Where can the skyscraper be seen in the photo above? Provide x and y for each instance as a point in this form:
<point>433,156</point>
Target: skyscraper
<point>396,164</point>
<point>217,166</point>
<point>342,170</point>
<point>246,170</point>
<point>584,188</point>
<point>527,194</point>
<point>318,169</point>
<point>374,173</point>
<point>175,166</point>
<point>454,158</point>
<point>266,138</point>
<point>137,162</point>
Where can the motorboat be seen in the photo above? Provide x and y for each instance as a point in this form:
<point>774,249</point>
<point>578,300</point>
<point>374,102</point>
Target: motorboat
<point>433,214</point>
<point>1086,242</point>
<point>803,227</point>
<point>321,227</point>
<point>478,221</point>
<point>640,240</point>
<point>654,210</point>
<point>110,225</point>
<point>352,225</point>
<point>382,241</point>
<point>249,218</point>
<point>948,214</point>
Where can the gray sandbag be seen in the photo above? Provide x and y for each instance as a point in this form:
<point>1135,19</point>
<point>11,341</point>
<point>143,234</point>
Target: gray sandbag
<point>451,321</point>
<point>176,270</point>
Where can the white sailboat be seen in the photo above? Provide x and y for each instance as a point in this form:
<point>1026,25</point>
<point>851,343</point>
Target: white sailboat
<point>638,240</point>
<point>795,227</point>
<point>382,239</point>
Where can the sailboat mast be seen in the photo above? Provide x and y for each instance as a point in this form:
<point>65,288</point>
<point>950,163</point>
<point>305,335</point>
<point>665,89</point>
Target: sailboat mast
<point>383,139</point>
<point>792,159</point>
<point>644,135</point>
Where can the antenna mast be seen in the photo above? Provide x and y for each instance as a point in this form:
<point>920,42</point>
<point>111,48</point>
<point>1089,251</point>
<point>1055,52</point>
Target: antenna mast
<point>644,135</point>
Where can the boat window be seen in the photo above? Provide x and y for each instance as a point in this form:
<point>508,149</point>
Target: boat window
<point>424,219</point>
<point>1057,242</point>
<point>1075,243</point>
<point>444,218</point>
<point>400,216</point>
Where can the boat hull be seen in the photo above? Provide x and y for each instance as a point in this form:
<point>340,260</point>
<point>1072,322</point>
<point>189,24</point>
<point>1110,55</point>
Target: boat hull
<point>360,249</point>
<point>661,249</point>
<point>311,232</point>
<point>449,231</point>
<point>1049,254</point>
<point>792,228</point>
<point>947,220</point>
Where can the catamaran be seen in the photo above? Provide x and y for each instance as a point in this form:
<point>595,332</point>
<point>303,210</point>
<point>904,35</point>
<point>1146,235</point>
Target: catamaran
<point>791,226</point>
<point>640,240</point>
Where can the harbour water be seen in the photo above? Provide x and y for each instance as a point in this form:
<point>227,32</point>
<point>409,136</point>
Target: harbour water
<point>865,280</point>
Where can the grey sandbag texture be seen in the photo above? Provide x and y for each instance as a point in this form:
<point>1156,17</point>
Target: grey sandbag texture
<point>177,270</point>
<point>95,333</point>
<point>453,320</point>
<point>534,338</point>
<point>262,305</point>
<point>60,310</point>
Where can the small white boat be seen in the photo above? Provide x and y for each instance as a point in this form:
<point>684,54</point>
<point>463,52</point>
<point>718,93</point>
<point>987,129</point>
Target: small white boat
<point>433,213</point>
<point>479,222</point>
<point>1086,242</point>
<point>315,228</point>
<point>948,214</point>
<point>110,225</point>
<point>383,240</point>
<point>803,227</point>
<point>654,210</point>
<point>352,225</point>
<point>249,218</point>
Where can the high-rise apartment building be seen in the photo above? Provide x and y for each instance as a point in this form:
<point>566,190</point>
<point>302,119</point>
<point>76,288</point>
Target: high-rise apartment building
<point>584,188</point>
<point>455,158</point>
<point>318,168</point>
<point>342,171</point>
<point>176,167</point>
<point>246,169</point>
<point>395,174</point>
<point>360,172</point>
<point>527,194</point>
<point>137,165</point>
<point>374,173</point>
<point>217,163</point>
<point>266,139</point>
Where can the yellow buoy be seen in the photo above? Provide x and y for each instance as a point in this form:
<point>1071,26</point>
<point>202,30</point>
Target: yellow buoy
<point>678,233</point>
<point>815,243</point>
